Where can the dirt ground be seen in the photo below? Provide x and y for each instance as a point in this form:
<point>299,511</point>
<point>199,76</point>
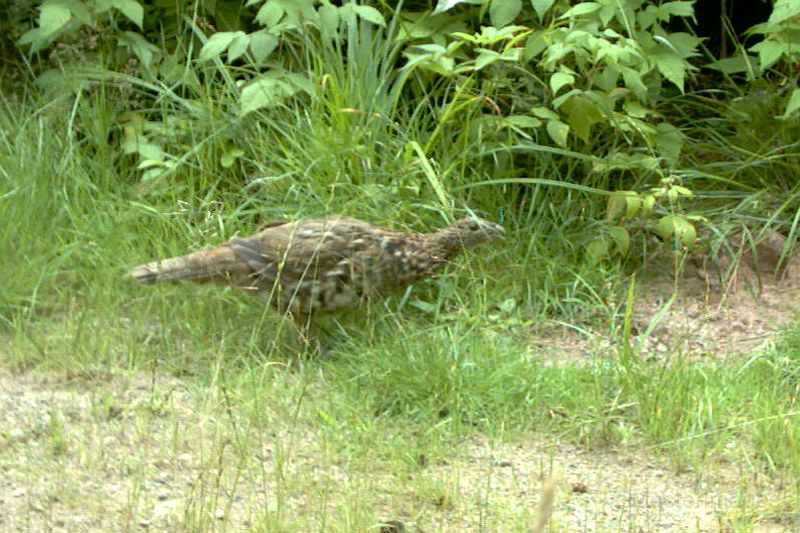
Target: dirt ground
<point>119,465</point>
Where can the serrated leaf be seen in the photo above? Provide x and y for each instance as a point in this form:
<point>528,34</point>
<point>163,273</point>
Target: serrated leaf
<point>769,52</point>
<point>673,68</point>
<point>371,15</point>
<point>558,131</point>
<point>633,81</point>
<point>217,44</point>
<point>503,12</point>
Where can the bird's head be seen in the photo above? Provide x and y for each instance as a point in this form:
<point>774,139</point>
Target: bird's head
<point>465,233</point>
<point>475,231</point>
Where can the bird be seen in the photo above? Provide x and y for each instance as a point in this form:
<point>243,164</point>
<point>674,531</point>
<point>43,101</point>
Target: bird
<point>323,265</point>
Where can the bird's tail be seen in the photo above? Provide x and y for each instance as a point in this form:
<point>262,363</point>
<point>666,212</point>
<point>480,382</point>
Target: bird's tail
<point>215,264</point>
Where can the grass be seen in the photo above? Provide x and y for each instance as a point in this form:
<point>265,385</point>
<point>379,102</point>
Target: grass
<point>203,396</point>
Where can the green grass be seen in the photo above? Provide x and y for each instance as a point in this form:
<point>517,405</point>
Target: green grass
<point>409,379</point>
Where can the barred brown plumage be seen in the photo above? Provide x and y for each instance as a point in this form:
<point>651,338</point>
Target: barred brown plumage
<point>323,265</point>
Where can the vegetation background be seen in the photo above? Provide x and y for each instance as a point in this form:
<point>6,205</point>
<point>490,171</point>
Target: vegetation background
<point>601,134</point>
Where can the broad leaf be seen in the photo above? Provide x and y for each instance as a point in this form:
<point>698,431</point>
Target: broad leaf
<point>542,6</point>
<point>370,14</point>
<point>53,17</point>
<point>558,131</point>
<point>132,9</point>
<point>671,67</point>
<point>262,44</point>
<point>503,12</point>
<point>784,10</point>
<point>217,44</point>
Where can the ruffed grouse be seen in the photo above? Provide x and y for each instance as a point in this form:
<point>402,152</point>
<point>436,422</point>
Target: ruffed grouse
<point>323,265</point>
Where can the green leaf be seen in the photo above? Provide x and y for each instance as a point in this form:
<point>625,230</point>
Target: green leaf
<point>270,89</point>
<point>542,6</point>
<point>621,238</point>
<point>238,47</point>
<point>784,10</point>
<point>584,8</point>
<point>535,45</point>
<point>217,44</point>
<point>230,156</point>
<point>545,113</point>
<point>648,204</point>
<point>582,114</point>
<point>445,5</point>
<point>676,227</point>
<point>508,305</point>
<point>671,67</point>
<point>328,19</point>
<point>486,57</point>
<point>559,80</point>
<point>682,43</point>
<point>733,65</point>
<point>522,121</point>
<point>793,105</point>
<point>370,14</point>
<point>597,250</point>
<point>503,12</point>
<point>633,81</point>
<point>615,207</point>
<point>131,9</point>
<point>270,13</point>
<point>262,44</point>
<point>623,204</point>
<point>53,17</point>
<point>669,142</point>
<point>769,52</point>
<point>675,9</point>
<point>558,131</point>
<point>137,44</point>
